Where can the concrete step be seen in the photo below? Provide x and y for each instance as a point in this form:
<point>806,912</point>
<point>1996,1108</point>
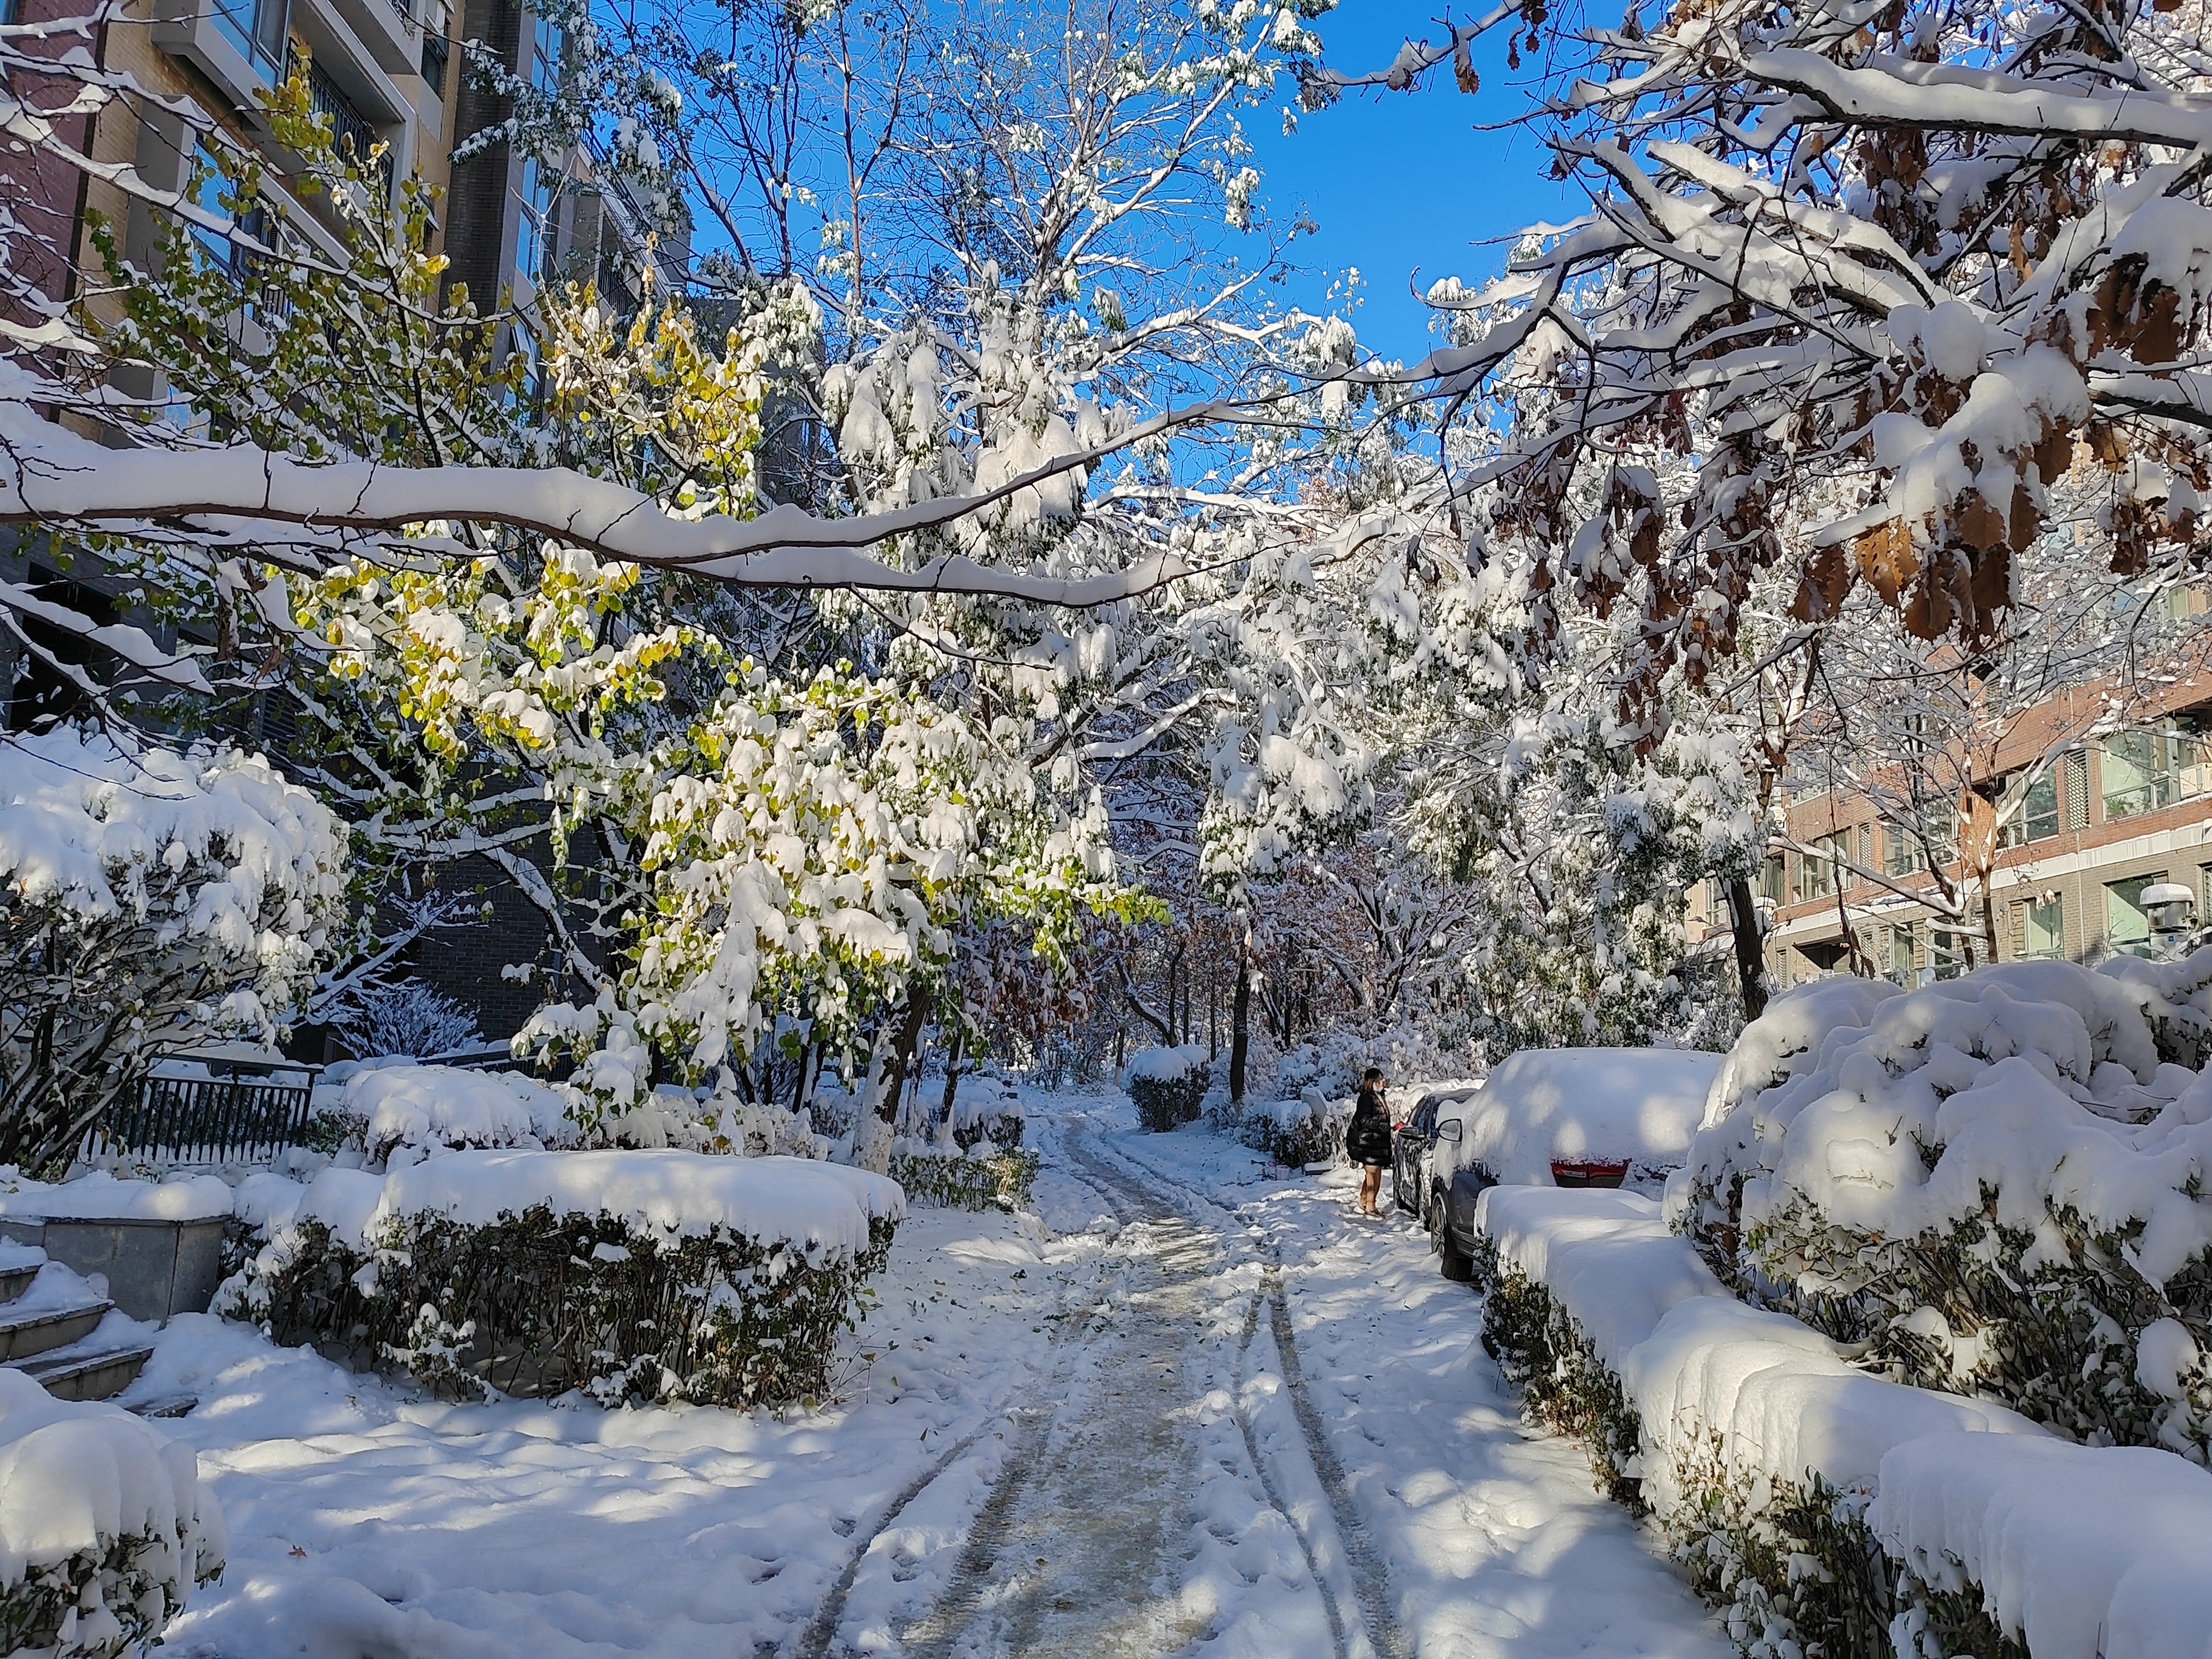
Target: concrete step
<point>23,1335</point>
<point>75,1375</point>
<point>166,1405</point>
<point>19,1266</point>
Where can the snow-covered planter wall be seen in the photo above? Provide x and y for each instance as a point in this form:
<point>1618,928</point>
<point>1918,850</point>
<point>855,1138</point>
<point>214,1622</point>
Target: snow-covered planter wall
<point>1168,1084</point>
<point>104,1529</point>
<point>1997,1182</point>
<point>629,1275</point>
<point>1827,1511</point>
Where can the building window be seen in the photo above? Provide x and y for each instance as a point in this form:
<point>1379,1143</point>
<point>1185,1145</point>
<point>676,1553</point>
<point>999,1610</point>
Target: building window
<point>544,54</point>
<point>1901,954</point>
<point>1816,876</point>
<point>256,27</point>
<point>1771,884</point>
<point>2127,920</point>
<point>2042,929</point>
<point>1902,852</point>
<point>437,51</point>
<point>2057,800</point>
<point>532,244</point>
<point>2136,777</point>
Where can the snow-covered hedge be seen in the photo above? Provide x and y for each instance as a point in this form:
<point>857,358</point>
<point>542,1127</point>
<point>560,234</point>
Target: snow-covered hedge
<point>1168,1084</point>
<point>630,1275</point>
<point>1295,1132</point>
<point>104,1529</point>
<point>977,1179</point>
<point>1818,1503</point>
<point>1641,1104</point>
<point>1998,1181</point>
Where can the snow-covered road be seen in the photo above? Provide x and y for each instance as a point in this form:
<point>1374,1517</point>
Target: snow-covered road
<point>1204,1414</point>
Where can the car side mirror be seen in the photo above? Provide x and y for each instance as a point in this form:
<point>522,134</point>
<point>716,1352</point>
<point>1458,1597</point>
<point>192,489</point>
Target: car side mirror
<point>1448,1129</point>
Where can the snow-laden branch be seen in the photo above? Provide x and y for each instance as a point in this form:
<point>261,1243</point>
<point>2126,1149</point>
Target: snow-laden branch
<point>52,476</point>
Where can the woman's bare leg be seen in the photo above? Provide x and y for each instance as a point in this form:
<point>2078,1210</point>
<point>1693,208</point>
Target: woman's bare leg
<point>1370,1184</point>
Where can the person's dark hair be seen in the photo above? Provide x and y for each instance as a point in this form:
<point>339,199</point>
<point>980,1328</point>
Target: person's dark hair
<point>1374,1074</point>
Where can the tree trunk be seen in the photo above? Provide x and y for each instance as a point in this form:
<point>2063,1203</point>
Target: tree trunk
<point>1750,947</point>
<point>953,1070</point>
<point>1240,1029</point>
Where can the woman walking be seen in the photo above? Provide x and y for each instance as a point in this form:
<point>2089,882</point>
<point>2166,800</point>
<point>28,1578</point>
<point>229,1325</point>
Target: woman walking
<point>1367,1140</point>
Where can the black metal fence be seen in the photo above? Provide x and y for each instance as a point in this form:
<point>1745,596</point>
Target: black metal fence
<point>215,1119</point>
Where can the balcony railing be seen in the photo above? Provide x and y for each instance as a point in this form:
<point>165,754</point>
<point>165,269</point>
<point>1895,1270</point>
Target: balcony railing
<point>239,1119</point>
<point>349,126</point>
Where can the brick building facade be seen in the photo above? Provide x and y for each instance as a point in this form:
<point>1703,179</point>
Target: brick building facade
<point>2073,823</point>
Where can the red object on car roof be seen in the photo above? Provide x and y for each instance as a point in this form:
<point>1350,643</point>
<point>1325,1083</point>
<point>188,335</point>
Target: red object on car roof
<point>1589,1171</point>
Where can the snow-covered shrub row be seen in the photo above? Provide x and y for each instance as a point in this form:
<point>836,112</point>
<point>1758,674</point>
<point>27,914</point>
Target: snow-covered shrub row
<point>1641,1104</point>
<point>977,1179</point>
<point>1168,1084</point>
<point>397,1112</point>
<point>104,1529</point>
<point>1564,1384</point>
<point>1820,1504</point>
<point>1334,1062</point>
<point>1997,1182</point>
<point>148,900</point>
<point>1309,1130</point>
<point>629,1275</point>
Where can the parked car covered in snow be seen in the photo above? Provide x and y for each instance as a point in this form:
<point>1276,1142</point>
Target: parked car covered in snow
<point>1413,1147</point>
<point>1547,1117</point>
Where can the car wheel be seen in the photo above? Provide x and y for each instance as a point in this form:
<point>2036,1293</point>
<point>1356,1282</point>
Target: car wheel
<point>1451,1261</point>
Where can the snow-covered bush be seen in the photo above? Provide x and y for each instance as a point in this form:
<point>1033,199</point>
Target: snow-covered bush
<point>1309,1130</point>
<point>1333,1062</point>
<point>149,901</point>
<point>976,1179</point>
<point>1825,1510</point>
<point>104,1529</point>
<point>407,1019</point>
<point>988,1109</point>
<point>1753,1445</point>
<point>1167,1084</point>
<point>1996,1181</point>
<point>629,1275</point>
<point>401,1113</point>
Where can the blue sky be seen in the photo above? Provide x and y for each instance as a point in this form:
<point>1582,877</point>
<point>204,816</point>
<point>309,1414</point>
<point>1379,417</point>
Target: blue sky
<point>1402,180</point>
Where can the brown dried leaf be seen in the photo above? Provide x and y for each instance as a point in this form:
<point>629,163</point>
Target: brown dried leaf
<point>1885,558</point>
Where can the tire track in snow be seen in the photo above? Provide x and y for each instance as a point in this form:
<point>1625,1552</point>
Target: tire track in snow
<point>814,1641</point>
<point>1336,1637</point>
<point>821,1631</point>
<point>1370,1576</point>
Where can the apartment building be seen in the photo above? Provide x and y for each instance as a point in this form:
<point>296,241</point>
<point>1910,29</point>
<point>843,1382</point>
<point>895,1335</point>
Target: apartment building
<point>2101,843</point>
<point>383,71</point>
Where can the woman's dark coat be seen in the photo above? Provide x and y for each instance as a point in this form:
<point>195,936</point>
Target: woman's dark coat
<point>1367,1137</point>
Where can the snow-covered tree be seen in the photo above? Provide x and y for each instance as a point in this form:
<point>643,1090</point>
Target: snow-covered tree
<point>1858,285</point>
<point>151,900</point>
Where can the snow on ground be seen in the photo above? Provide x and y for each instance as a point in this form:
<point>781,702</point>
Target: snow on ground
<point>368,1520</point>
<point>1204,1414</point>
<point>1493,1536</point>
